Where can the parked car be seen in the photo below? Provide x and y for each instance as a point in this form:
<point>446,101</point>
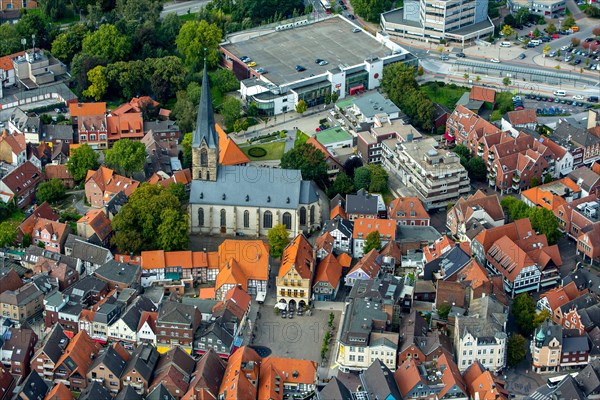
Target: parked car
<point>261,71</point>
<point>300,68</point>
<point>522,56</point>
<point>445,57</point>
<point>577,62</point>
<point>356,30</point>
<point>578,97</point>
<point>460,55</point>
<point>552,54</point>
<point>495,60</point>
<point>252,64</point>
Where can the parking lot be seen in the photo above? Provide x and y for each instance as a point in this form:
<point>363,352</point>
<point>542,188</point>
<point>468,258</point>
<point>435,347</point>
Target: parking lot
<point>299,337</point>
<point>560,105</point>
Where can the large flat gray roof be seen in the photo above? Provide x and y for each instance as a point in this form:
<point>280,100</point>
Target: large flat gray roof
<point>331,39</point>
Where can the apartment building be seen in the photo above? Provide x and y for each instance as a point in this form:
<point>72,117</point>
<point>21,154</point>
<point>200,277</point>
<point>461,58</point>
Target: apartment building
<point>576,217</point>
<point>470,215</point>
<point>433,20</point>
<point>588,243</point>
<point>408,211</point>
<point>554,349</point>
<point>366,337</point>
<point>436,174</point>
<point>23,303</point>
<point>577,136</point>
<point>20,185</point>
<point>89,121</point>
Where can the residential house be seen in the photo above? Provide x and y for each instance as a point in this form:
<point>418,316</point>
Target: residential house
<point>293,378</point>
<point>366,337</point>
<point>579,137</point>
<point>484,209</point>
<point>438,379</point>
<point>95,227</point>
<point>146,330</point>
<point>72,367</point>
<point>335,389</point>
<point>324,245</point>
<point>515,121</point>
<point>367,268</point>
<point>436,174</point>
<point>125,329</point>
<point>42,211</point>
<point>483,384</point>
<point>124,126</point>
<point>101,185</point>
<point>555,298</point>
<point>61,173</point>
<point>241,378</point>
<point>334,167</point>
<point>581,314</point>
<point>341,231</point>
<point>61,137</point>
<point>20,185</point>
<point>108,368</point>
<point>395,294</point>
<point>119,276</point>
<point>241,262</point>
<point>554,349</point>
<point>378,382</point>
<point>408,211</point>
<point>139,370</point>
<point>294,282</point>
<point>418,343</point>
<point>586,179</point>
<point>89,121</point>
<point>50,234</point>
<point>564,156</point>
<point>588,243</point>
<point>520,255</point>
<point>438,249</point>
<point>9,280</point>
<point>13,149</point>
<point>364,205</point>
<point>7,384</point>
<point>32,388</point>
<point>327,278</point>
<point>481,335</point>
<point>552,195</point>
<point>45,359</point>
<point>17,350</point>
<point>161,266</point>
<point>364,226</point>
<point>24,123</point>
<point>160,392</point>
<point>129,393</point>
<point>97,320</point>
<point>174,371</point>
<point>95,391</point>
<point>59,392</point>
<point>23,303</point>
<point>176,325</point>
<point>92,256</point>
<point>114,205</point>
<point>206,378</point>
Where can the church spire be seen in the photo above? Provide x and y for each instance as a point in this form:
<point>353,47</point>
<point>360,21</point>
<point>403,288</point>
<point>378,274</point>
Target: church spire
<point>205,121</point>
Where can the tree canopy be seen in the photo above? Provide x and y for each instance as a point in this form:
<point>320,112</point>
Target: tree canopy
<point>50,191</point>
<point>542,220</point>
<point>523,309</point>
<point>342,184</point>
<point>126,156</point>
<point>370,9</point>
<point>194,38</point>
<point>372,241</point>
<point>8,233</point>
<point>372,177</point>
<point>308,159</point>
<point>152,219</point>
<point>279,238</point>
<point>516,350</point>
<point>107,43</point>
<point>82,159</point>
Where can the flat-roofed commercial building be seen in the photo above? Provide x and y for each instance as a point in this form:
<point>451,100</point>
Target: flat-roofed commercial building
<point>546,8</point>
<point>286,71</point>
<point>430,20</point>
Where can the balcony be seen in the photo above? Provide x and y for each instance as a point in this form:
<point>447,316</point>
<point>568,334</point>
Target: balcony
<point>515,186</point>
<point>516,179</point>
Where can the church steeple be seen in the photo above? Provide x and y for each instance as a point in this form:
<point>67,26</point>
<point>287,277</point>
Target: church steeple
<point>205,142</point>
<point>205,121</point>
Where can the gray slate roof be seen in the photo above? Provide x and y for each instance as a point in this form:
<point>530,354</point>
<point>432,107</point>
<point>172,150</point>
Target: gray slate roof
<point>95,391</point>
<point>160,392</point>
<point>578,135</point>
<point>205,120</point>
<point>56,343</point>
<point>143,360</point>
<point>178,313</point>
<point>33,387</point>
<point>128,393</point>
<point>113,206</point>
<point>408,233</point>
<point>118,272</point>
<point>343,225</point>
<point>575,344</point>
<point>131,318</point>
<point>90,252</point>
<point>112,361</point>
<point>451,262</point>
<point>379,383</point>
<point>254,187</point>
<point>335,389</point>
<point>589,377</point>
<point>361,203</point>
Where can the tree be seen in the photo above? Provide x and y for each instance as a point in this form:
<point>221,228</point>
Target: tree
<point>575,41</point>
<point>279,238</point>
<point>98,83</point>
<point>537,33</point>
<point>343,185</point>
<point>420,71</point>
<point>351,164</point>
<point>327,100</point>
<point>534,182</point>
<point>127,156</point>
<point>379,179</point>
<point>55,9</point>
<point>107,43</point>
<point>167,78</point>
<point>308,159</point>
<point>178,190</point>
<point>373,241</point>
<point>10,41</point>
<point>477,169</point>
<point>69,42</point>
<point>39,25</point>
<point>545,222</point>
<point>50,191</point>
<point>541,317</point>
<point>82,159</point>
<point>184,112</point>
<point>186,145</point>
<point>334,97</point>
<point>551,28</point>
<point>139,11</point>
<point>547,178</point>
<point>370,9</point>
<point>466,76</point>
<point>523,309</point>
<point>152,219</point>
<point>362,177</point>
<point>197,40</point>
<point>231,109</point>
<point>462,151</point>
<point>516,350</point>
<point>547,48</point>
<point>522,15</point>
<point>224,80</point>
<point>506,81</point>
<point>252,110</point>
<point>444,310</point>
<point>8,233</point>
<point>568,22</point>
<point>301,107</point>
<point>241,125</point>
<point>507,30</point>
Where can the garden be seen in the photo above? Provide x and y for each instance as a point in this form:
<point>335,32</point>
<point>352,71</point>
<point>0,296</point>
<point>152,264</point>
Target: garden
<point>264,151</point>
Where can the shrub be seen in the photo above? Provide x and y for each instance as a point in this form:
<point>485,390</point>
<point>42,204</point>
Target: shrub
<point>257,152</point>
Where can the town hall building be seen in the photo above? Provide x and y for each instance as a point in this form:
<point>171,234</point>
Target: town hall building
<point>244,199</point>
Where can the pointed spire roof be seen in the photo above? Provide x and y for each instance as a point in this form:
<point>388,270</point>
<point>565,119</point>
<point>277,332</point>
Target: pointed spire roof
<point>205,121</point>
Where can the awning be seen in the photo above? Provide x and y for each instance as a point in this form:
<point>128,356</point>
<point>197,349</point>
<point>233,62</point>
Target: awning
<point>281,306</point>
<point>449,137</point>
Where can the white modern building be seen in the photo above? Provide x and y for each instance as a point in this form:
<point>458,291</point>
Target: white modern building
<point>545,8</point>
<point>351,61</point>
<point>432,20</point>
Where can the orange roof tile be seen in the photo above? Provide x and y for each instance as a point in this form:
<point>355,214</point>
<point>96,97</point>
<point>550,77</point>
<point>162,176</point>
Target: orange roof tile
<point>299,255</point>
<point>325,242</point>
<point>183,177</point>
<point>368,264</point>
<point>364,226</point>
<point>229,152</point>
<point>207,293</point>
<point>231,273</point>
<point>294,370</point>
<point>240,297</point>
<point>483,94</point>
<point>522,117</point>
<point>560,296</point>
<point>269,387</point>
<point>111,183</point>
<point>329,270</point>
<point>337,211</point>
<point>6,62</point>
<point>403,208</point>
<point>407,376</point>
<point>154,259</point>
<point>59,392</point>
<point>484,385</point>
<point>128,125</point>
<point>98,221</point>
<point>57,172</point>
<point>451,375</point>
<point>242,367</point>
<point>150,317</point>
<point>252,256</point>
<point>345,260</point>
<point>80,350</point>
<point>53,227</point>
<point>544,195</point>
<point>43,211</point>
<point>438,248</point>
<point>87,109</point>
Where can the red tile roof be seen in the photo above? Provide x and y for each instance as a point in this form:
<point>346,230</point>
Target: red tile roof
<point>299,255</point>
<point>483,94</point>
<point>57,172</point>
<point>337,211</point>
<point>438,248</point>
<point>111,183</point>
<point>229,151</point>
<point>368,264</point>
<point>329,270</point>
<point>242,367</point>
<point>98,221</point>
<point>522,117</point>
<point>364,226</point>
<point>43,211</point>
<point>403,208</point>
<point>81,350</point>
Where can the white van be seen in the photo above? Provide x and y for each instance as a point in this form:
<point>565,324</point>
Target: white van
<point>535,42</point>
<point>561,93</point>
<point>505,44</point>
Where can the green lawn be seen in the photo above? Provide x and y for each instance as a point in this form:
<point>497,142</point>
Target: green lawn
<point>301,137</point>
<point>446,95</point>
<point>274,151</point>
<point>188,17</point>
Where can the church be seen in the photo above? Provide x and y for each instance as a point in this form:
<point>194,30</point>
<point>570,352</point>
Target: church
<point>243,199</point>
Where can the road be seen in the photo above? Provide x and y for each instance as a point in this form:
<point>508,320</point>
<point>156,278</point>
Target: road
<point>183,7</point>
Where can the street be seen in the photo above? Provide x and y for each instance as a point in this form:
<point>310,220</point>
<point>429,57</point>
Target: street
<point>183,7</point>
